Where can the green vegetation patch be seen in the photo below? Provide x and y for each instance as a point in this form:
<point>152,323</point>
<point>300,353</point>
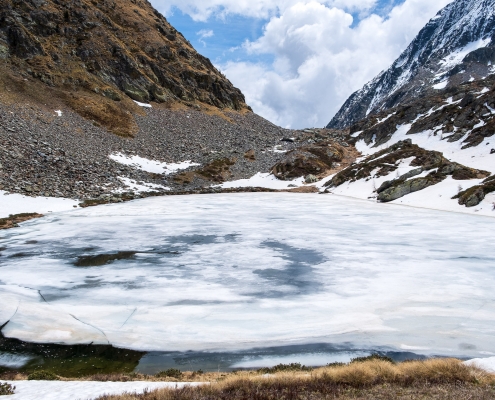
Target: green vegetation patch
<point>43,376</point>
<point>170,373</point>
<point>284,368</point>
<point>6,389</point>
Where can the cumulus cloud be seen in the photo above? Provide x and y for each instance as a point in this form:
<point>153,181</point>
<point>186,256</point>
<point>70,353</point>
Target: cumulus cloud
<point>202,10</point>
<point>320,54</point>
<point>320,58</point>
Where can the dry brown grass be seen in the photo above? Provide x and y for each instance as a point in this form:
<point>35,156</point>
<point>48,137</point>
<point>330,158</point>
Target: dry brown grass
<point>375,379</point>
<point>114,116</point>
<point>12,221</point>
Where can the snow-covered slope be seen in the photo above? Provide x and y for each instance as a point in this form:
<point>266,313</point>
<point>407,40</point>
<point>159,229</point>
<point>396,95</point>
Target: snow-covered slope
<point>457,45</point>
<point>428,152</point>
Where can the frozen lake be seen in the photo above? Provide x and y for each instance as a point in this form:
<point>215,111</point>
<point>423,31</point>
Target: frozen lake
<point>229,273</point>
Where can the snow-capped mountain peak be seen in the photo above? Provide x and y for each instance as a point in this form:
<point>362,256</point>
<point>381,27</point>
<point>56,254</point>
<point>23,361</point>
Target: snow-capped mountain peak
<point>456,46</point>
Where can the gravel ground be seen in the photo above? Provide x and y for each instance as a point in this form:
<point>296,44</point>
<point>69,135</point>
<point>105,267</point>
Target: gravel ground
<point>43,154</point>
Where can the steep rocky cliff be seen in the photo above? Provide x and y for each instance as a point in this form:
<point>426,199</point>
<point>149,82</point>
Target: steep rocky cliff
<point>97,54</point>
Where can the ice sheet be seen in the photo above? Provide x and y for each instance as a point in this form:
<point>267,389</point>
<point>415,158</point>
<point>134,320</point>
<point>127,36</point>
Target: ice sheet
<point>80,390</point>
<point>17,204</point>
<point>238,271</point>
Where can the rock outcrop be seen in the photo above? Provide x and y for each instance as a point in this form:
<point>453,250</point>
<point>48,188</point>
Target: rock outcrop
<point>309,160</point>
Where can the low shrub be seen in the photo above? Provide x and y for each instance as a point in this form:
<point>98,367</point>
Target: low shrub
<point>6,389</point>
<point>373,357</point>
<point>43,376</point>
<point>284,368</point>
<point>170,373</point>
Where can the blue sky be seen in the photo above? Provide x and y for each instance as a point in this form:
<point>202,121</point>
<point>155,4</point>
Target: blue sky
<point>297,61</point>
<point>231,31</point>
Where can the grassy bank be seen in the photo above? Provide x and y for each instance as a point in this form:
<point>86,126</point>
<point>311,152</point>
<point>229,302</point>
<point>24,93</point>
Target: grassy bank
<point>371,378</point>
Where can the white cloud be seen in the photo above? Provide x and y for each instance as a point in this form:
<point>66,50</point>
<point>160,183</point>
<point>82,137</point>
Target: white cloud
<point>201,10</point>
<point>205,33</point>
<point>320,58</point>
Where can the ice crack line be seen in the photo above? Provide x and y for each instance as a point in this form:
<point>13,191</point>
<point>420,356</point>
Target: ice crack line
<point>129,317</point>
<point>92,326</point>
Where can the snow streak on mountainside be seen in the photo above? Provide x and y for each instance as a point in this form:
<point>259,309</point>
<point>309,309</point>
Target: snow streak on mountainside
<point>456,46</point>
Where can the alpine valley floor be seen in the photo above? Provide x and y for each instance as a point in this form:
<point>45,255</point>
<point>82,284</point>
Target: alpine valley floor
<point>235,272</point>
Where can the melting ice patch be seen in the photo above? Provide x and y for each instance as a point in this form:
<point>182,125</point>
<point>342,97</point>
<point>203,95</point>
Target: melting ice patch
<point>233,272</point>
<point>152,166</point>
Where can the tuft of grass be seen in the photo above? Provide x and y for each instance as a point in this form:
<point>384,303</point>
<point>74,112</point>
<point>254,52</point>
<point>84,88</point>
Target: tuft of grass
<point>6,389</point>
<point>43,376</point>
<point>170,373</point>
<point>13,220</point>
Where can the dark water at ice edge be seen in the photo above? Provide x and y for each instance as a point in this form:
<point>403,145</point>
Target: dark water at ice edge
<point>83,360</point>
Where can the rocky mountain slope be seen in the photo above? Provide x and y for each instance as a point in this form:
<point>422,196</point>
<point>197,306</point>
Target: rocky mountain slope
<point>94,55</point>
<point>105,100</point>
<point>456,46</point>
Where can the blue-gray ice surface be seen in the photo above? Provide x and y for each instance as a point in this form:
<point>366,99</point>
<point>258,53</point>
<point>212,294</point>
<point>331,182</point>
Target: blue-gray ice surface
<point>239,271</point>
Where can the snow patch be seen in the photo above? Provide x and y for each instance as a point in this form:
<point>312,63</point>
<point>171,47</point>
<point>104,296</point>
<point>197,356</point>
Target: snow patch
<point>18,204</point>
<point>58,112</point>
<point>84,390</point>
<point>457,56</point>
<point>140,187</point>
<point>441,85</point>
<point>152,166</point>
<point>263,180</point>
<point>142,104</point>
<point>487,364</point>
